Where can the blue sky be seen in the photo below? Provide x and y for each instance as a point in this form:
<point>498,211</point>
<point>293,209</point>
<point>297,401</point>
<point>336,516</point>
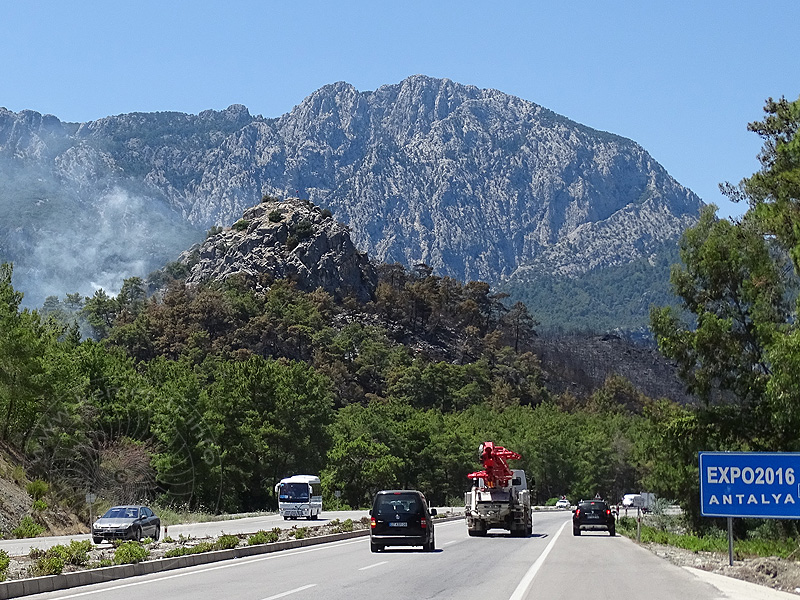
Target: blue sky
<point>682,78</point>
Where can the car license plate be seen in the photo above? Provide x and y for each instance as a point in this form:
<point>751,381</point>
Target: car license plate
<point>594,517</point>
<point>398,524</point>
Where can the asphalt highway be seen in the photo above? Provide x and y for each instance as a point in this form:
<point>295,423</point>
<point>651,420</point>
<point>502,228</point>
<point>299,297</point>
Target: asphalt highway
<point>551,564</point>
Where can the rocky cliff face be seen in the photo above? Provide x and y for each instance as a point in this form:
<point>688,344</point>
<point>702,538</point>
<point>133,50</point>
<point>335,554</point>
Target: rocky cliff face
<point>475,183</point>
<point>286,239</point>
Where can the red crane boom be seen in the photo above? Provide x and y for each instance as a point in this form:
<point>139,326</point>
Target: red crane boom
<point>495,469</point>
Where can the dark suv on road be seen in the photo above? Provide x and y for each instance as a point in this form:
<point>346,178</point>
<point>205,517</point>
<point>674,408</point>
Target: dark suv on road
<point>593,515</point>
<point>401,518</point>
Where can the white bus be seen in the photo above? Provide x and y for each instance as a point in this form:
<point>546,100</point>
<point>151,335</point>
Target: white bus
<point>299,496</point>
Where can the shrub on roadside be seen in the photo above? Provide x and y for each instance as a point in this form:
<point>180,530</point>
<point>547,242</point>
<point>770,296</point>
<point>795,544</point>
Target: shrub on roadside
<point>27,528</point>
<point>130,553</point>
<point>184,550</point>
<point>299,533</point>
<point>344,526</point>
<point>98,564</point>
<point>5,561</point>
<point>226,542</point>
<point>46,565</point>
<point>77,553</point>
<point>264,537</point>
<point>39,505</point>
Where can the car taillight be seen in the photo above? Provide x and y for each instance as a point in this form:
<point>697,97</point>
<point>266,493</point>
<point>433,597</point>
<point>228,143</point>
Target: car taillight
<point>372,522</point>
<point>608,511</point>
<point>423,523</point>
<point>577,512</point>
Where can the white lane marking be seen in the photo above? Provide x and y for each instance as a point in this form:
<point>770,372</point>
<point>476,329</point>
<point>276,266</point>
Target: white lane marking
<point>300,589</point>
<point>527,580</point>
<point>237,563</point>
<point>383,562</point>
<point>450,542</point>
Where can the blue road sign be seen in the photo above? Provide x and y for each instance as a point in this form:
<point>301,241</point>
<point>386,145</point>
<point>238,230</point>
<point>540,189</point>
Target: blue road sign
<point>750,484</point>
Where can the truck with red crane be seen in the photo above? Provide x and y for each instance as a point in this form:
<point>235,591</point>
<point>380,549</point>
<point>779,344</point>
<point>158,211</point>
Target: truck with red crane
<point>499,497</point>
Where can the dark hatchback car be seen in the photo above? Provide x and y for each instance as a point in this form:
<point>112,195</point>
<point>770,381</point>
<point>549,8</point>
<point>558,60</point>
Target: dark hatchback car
<point>593,515</point>
<point>401,518</point>
<point>129,522</point>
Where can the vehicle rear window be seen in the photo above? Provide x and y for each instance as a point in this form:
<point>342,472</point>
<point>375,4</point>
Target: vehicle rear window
<point>398,504</point>
<point>593,506</point>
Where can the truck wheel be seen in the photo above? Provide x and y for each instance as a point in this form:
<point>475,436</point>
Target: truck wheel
<point>576,531</point>
<point>612,531</point>
<point>375,547</point>
<point>97,540</point>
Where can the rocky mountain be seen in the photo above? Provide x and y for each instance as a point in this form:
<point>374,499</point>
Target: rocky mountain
<point>474,182</point>
<point>289,239</point>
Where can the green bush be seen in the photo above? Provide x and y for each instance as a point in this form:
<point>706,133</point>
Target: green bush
<point>46,565</point>
<point>77,553</point>
<point>299,533</point>
<point>241,225</point>
<point>226,542</point>
<point>304,229</point>
<point>346,525</point>
<point>27,528</point>
<point>264,537</point>
<point>5,561</point>
<point>292,242</point>
<point>130,553</point>
<point>275,216</point>
<point>39,505</point>
<point>184,550</point>
<point>37,489</point>
<point>98,564</point>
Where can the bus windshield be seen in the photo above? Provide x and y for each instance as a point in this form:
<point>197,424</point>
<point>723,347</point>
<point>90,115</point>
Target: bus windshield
<point>293,492</point>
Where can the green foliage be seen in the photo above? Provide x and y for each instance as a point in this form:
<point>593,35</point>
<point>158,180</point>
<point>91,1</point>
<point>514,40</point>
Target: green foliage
<point>130,552</point>
<point>186,550</point>
<point>241,225</point>
<point>344,526</point>
<point>740,354</point>
<point>5,561</point>
<point>303,229</point>
<point>264,537</point>
<point>299,533</point>
<point>37,489</point>
<point>616,297</point>
<point>226,542</point>
<point>47,565</point>
<point>39,505</point>
<point>77,553</point>
<point>275,216</point>
<point>215,229</point>
<point>27,528</point>
<point>99,564</point>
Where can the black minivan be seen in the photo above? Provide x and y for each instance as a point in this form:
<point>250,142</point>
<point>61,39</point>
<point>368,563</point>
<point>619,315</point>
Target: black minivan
<point>401,518</point>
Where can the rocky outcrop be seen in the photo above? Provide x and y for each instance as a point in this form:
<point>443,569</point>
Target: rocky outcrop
<point>289,239</point>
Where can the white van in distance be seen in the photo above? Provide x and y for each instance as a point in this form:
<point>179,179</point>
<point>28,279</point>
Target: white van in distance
<point>299,496</point>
